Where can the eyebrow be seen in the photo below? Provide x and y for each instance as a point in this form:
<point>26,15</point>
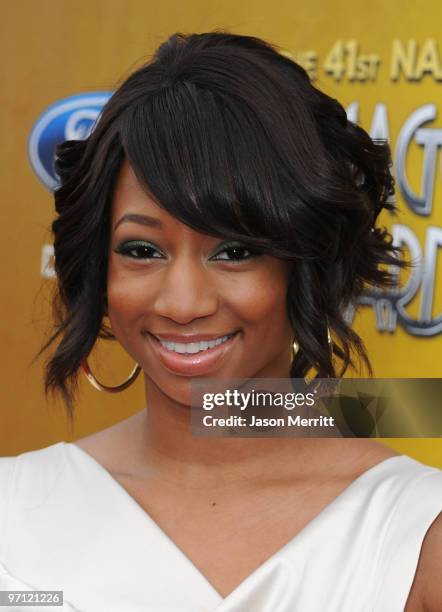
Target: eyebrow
<point>141,219</point>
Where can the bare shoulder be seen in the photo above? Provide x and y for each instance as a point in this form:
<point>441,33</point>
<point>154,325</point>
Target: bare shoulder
<point>367,453</point>
<point>426,591</point>
<point>379,451</point>
<point>109,446</point>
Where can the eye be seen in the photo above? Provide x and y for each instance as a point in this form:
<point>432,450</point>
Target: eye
<point>138,249</point>
<point>236,251</point>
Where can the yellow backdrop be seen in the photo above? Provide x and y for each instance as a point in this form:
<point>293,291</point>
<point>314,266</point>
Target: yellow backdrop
<point>381,59</point>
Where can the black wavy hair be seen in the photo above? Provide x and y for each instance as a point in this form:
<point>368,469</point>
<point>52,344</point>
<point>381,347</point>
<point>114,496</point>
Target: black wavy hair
<point>229,136</point>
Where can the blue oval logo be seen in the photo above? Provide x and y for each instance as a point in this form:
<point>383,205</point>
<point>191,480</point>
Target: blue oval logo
<point>67,119</point>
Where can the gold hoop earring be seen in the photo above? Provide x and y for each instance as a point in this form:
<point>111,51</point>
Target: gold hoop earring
<point>98,385</point>
<point>329,339</point>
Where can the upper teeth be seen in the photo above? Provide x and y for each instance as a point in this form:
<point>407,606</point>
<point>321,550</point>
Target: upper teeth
<point>192,347</point>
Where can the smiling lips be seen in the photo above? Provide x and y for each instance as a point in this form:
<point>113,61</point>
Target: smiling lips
<point>193,354</point>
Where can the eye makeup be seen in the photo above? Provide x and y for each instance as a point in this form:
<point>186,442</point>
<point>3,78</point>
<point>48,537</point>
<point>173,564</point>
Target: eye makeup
<point>133,248</point>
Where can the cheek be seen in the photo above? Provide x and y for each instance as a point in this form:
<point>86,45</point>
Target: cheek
<point>263,298</point>
<point>127,301</point>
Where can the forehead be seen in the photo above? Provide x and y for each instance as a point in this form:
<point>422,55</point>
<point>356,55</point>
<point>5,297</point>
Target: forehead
<point>129,196</point>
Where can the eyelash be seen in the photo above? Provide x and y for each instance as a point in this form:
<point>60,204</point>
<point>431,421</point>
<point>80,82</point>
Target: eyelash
<point>126,248</point>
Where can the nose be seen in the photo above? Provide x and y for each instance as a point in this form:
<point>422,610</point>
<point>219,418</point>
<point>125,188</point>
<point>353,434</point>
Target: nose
<point>186,291</point>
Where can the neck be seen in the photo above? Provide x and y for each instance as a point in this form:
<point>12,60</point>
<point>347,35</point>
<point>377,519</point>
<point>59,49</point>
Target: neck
<point>166,446</point>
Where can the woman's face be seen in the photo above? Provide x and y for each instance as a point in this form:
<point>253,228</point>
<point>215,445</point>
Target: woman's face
<point>166,281</point>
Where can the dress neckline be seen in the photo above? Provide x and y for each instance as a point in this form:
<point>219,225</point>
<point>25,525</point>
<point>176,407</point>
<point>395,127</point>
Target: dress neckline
<point>120,491</point>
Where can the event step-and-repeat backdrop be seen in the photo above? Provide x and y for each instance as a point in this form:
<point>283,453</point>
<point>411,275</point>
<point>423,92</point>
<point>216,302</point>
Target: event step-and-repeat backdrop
<point>382,60</point>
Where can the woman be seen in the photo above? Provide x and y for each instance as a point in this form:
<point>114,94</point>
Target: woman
<point>221,216</point>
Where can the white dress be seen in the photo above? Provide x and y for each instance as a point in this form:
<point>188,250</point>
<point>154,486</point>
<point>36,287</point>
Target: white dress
<point>67,524</point>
